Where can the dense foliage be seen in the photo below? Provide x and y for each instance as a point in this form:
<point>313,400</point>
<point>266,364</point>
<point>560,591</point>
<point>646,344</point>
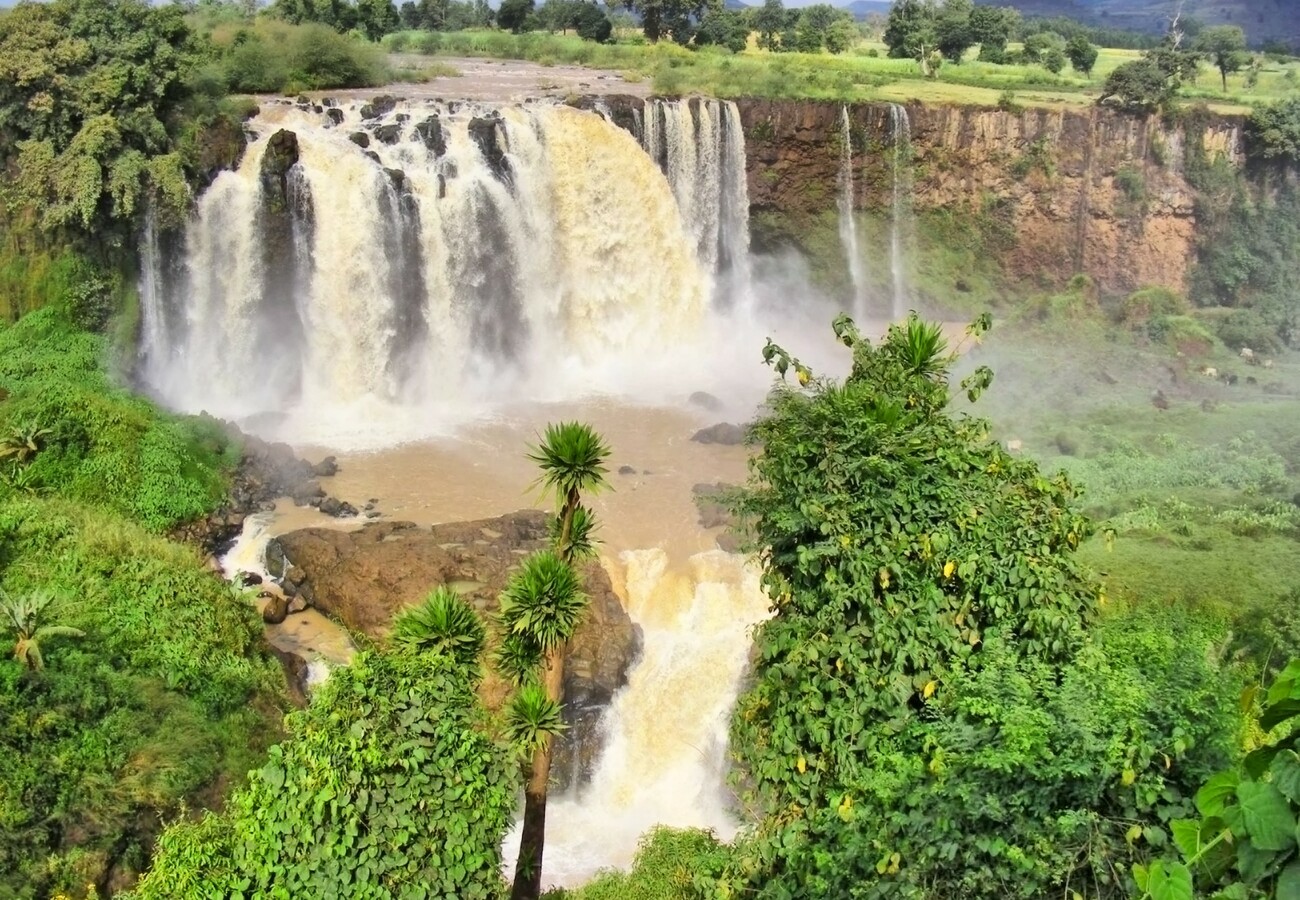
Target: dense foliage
<point>96,443</point>
<point>1245,843</point>
<point>896,540</point>
<point>929,716</point>
<point>385,787</point>
<point>165,692</point>
<point>91,93</point>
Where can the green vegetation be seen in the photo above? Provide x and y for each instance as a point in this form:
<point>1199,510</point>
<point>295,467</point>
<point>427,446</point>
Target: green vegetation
<point>541,608</point>
<point>386,786</point>
<point>95,443</point>
<point>163,696</point>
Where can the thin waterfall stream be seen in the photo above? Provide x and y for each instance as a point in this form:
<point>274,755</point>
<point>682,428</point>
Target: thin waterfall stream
<point>846,206</point>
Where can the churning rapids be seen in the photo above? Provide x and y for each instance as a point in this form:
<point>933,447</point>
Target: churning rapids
<point>422,304</point>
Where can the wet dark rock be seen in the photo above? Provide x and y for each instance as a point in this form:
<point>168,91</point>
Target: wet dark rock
<point>297,605</point>
<point>722,433</point>
<point>373,514</point>
<point>709,501</point>
<point>373,157</point>
<point>295,674</point>
<point>705,400</point>
<point>307,493</point>
<point>280,156</point>
<point>275,610</point>
<point>442,187</point>
<point>430,131</point>
<point>218,146</point>
<point>328,102</point>
<point>335,116</point>
<point>379,106</point>
<point>485,132</point>
<point>339,509</point>
<point>318,109</point>
<point>397,177</point>
<point>626,470</point>
<point>360,138</point>
<point>302,100</point>
<point>326,468</point>
<point>365,577</point>
<point>388,133</point>
<point>402,117</point>
<point>248,579</point>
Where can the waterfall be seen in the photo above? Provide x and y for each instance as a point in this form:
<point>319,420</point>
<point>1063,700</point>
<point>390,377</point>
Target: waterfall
<point>900,220</point>
<point>846,204</point>
<point>700,145</point>
<point>416,256</point>
<point>664,761</point>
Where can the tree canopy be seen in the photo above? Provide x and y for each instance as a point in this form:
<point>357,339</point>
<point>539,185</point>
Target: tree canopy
<point>91,93</point>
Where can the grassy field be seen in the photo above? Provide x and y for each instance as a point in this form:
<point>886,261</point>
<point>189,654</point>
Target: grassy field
<point>864,73</point>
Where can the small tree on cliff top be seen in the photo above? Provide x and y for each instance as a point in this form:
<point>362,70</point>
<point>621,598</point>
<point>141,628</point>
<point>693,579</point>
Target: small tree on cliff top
<point>895,539</point>
<point>541,608</point>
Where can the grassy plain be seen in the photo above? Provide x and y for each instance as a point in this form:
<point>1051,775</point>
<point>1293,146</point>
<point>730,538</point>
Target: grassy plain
<point>864,73</point>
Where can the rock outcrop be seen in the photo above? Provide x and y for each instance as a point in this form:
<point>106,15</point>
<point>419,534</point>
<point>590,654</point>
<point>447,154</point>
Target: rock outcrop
<point>365,577</point>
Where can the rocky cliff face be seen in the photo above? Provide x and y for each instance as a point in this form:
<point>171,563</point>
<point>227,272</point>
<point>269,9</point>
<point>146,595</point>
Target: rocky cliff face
<point>1080,190</point>
<point>364,578</point>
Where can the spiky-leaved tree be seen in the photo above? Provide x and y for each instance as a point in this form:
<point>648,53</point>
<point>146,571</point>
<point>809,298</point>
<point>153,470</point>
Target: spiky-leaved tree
<point>23,613</point>
<point>541,608</point>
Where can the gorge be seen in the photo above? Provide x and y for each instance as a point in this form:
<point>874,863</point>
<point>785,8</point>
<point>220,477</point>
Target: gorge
<point>417,285</point>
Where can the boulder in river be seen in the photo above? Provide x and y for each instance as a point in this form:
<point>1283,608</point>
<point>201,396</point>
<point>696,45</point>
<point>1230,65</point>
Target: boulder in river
<point>363,578</point>
<point>723,433</point>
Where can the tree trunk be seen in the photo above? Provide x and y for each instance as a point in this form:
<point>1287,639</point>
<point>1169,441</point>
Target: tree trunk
<point>532,841</point>
<point>1224,74</point>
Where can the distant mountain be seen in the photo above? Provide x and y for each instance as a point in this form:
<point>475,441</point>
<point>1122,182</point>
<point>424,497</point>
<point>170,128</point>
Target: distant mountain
<point>1262,20</point>
<point>734,4</point>
<point>863,8</point>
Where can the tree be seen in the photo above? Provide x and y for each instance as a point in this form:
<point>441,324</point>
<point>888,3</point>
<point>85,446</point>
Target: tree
<point>991,27</point>
<point>1082,54</point>
<point>842,35</point>
<point>1140,85</point>
<point>670,17</point>
<point>1054,61</point>
<point>512,14</point>
<point>541,607</point>
<point>1225,45</point>
<point>815,22</point>
<point>91,101</point>
<point>895,539</point>
<point>952,29</point>
<point>592,23</point>
<point>444,623</point>
<point>1274,130</point>
<point>769,22</point>
<point>377,18</point>
<point>24,614</point>
<point>910,33</point>
<point>1039,43</point>
<point>723,28</point>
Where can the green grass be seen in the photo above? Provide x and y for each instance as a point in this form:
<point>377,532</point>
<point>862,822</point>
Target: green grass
<point>853,76</point>
<point>100,444</point>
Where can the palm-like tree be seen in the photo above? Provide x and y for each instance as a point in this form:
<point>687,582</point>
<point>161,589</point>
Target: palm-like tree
<point>24,442</point>
<point>23,613</point>
<point>541,608</point>
<point>443,623</point>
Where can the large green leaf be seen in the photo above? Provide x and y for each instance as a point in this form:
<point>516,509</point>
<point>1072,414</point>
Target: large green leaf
<point>1279,712</point>
<point>1288,883</point>
<point>1267,816</point>
<point>1213,796</point>
<point>1286,774</point>
<point>1169,881</point>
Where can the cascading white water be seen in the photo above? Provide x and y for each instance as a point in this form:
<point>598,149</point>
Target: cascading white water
<point>846,205</point>
<point>900,221</point>
<point>700,145</point>
<point>665,758</point>
<point>537,243</point>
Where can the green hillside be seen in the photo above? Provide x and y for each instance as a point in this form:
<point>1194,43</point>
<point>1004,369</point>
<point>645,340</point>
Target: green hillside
<point>1262,20</point>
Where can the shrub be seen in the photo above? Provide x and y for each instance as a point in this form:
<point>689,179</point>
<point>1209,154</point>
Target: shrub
<point>166,695</point>
<point>384,783</point>
<point>105,446</point>
<point>896,539</point>
<point>1131,183</point>
<point>1140,307</point>
<point>1030,778</point>
<point>669,864</point>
